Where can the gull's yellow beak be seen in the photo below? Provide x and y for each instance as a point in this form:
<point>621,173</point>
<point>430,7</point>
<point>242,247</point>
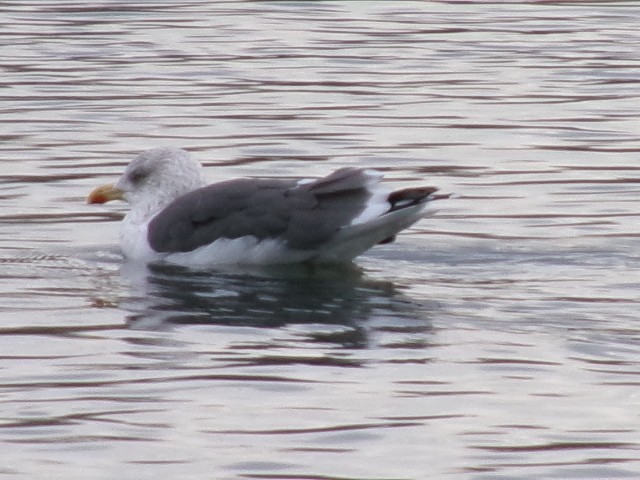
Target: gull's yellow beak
<point>104,194</point>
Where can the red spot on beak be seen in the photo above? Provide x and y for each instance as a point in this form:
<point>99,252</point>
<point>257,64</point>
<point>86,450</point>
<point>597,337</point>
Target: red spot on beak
<point>104,194</point>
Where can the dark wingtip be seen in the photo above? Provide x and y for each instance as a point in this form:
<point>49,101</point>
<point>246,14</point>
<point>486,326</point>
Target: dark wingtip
<point>414,196</point>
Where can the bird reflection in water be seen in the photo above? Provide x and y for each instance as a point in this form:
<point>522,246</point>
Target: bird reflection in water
<point>342,296</point>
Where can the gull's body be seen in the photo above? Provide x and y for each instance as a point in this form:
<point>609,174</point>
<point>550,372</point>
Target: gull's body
<point>176,217</point>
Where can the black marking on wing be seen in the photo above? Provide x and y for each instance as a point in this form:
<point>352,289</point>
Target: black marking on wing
<point>408,197</point>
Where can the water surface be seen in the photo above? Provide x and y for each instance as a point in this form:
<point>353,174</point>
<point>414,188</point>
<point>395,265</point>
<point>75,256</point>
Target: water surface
<point>495,340</point>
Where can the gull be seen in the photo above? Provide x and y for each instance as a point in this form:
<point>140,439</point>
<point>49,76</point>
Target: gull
<point>176,217</point>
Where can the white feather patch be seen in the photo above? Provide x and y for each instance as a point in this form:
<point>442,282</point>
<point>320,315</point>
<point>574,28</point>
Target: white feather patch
<point>246,250</point>
<point>378,204</point>
<point>305,181</point>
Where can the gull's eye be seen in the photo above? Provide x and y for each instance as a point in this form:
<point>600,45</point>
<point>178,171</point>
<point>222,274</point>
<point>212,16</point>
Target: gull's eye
<point>137,176</point>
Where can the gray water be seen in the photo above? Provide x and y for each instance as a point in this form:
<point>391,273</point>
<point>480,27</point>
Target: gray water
<point>497,339</point>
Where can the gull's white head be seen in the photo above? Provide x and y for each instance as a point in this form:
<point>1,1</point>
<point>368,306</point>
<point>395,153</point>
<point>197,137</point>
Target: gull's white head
<point>166,173</point>
<point>152,180</point>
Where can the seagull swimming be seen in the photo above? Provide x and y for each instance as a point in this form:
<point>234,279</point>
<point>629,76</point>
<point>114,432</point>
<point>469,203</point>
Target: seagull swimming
<point>175,217</point>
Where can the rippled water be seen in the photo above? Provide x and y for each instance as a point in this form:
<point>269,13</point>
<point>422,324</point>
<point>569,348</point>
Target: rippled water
<point>496,340</point>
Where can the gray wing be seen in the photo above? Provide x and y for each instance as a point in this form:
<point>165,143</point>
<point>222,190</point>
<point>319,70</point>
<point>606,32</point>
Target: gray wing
<point>303,215</point>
